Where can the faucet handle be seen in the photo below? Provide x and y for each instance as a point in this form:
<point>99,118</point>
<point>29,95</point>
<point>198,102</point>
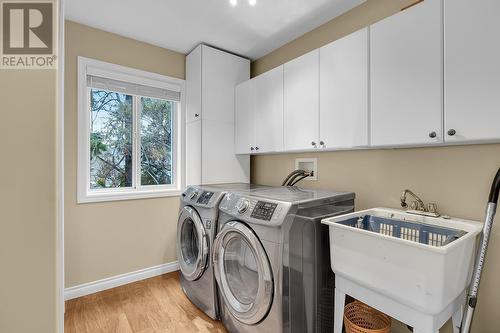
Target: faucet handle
<point>432,207</point>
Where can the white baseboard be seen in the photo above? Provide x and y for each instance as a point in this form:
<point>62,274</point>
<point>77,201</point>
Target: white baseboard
<point>119,280</point>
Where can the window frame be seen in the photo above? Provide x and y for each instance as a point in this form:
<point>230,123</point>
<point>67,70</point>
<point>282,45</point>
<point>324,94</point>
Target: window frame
<point>85,194</point>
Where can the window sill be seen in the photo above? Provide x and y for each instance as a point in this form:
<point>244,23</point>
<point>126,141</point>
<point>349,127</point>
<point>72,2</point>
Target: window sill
<point>127,195</point>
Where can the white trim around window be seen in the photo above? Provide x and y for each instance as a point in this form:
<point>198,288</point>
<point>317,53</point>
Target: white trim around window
<point>90,67</point>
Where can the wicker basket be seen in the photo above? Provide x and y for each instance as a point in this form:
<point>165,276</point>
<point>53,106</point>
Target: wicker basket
<point>360,318</point>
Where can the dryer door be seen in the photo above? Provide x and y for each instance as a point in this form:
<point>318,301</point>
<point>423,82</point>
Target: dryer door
<point>192,244</point>
<point>243,273</point>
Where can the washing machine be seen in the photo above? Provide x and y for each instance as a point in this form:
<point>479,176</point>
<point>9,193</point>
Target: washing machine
<point>196,230</point>
<point>271,259</point>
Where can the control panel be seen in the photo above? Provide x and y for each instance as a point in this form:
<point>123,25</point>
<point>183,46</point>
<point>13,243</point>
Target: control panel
<point>199,197</point>
<point>263,210</point>
<point>205,197</point>
<point>252,210</point>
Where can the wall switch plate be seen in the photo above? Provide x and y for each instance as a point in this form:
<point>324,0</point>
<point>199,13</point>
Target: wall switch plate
<point>307,164</point>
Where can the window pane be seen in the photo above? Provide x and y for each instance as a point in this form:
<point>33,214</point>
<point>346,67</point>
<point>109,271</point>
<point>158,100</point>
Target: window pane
<point>110,139</point>
<point>156,141</point>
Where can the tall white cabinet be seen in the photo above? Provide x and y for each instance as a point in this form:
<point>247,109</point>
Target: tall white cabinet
<point>343,92</point>
<point>301,102</point>
<point>406,77</point>
<point>211,76</point>
<point>193,117</point>
<point>472,70</point>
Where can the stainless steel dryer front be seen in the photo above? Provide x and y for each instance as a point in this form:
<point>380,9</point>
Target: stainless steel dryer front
<point>271,259</point>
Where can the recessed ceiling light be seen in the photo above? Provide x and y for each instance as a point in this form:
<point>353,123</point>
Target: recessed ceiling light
<point>233,2</point>
<point>252,2</point>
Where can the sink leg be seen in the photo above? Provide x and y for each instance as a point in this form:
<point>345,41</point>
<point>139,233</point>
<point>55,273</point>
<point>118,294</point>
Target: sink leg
<point>456,319</point>
<point>339,311</point>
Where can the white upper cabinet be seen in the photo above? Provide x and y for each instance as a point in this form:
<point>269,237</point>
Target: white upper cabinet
<point>406,76</point>
<point>344,92</point>
<point>420,77</point>
<point>268,119</point>
<point>244,118</point>
<point>301,102</point>
<point>472,70</point>
<point>259,114</point>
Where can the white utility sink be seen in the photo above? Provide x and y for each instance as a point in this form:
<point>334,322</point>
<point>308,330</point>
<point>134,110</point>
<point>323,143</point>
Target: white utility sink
<point>422,262</point>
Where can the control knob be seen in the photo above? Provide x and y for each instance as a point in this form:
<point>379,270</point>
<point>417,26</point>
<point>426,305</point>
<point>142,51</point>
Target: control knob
<point>193,195</point>
<point>242,206</point>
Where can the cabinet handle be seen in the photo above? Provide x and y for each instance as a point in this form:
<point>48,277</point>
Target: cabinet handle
<point>251,148</point>
<point>452,132</point>
<point>313,144</point>
<point>256,148</point>
<point>432,134</point>
<point>322,143</point>
<point>196,115</point>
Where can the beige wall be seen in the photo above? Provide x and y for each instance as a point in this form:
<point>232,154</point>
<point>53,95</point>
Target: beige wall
<point>457,178</point>
<point>369,12</point>
<point>110,238</point>
<point>28,201</point>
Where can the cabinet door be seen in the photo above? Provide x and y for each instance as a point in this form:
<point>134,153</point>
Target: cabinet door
<point>193,152</point>
<point>221,72</point>
<point>244,129</point>
<point>268,119</point>
<point>406,77</point>
<point>472,70</point>
<point>344,92</point>
<point>219,162</point>
<point>193,85</point>
<point>301,102</point>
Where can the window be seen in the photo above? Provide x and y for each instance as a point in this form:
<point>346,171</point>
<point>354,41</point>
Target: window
<point>129,133</point>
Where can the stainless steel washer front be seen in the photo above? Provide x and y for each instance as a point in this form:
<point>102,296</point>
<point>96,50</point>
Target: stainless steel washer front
<point>243,273</point>
<point>193,244</point>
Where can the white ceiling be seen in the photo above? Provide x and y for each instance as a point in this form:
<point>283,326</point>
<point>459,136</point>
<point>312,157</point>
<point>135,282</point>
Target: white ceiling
<point>251,31</point>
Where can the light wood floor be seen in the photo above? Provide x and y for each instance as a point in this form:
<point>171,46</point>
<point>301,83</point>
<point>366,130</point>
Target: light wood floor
<point>150,306</point>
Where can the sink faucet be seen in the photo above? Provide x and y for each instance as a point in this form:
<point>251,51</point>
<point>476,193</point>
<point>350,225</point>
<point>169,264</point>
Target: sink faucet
<point>417,206</point>
<point>420,203</point>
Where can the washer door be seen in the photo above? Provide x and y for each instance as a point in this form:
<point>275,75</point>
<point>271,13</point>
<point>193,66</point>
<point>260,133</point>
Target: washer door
<point>243,273</point>
<point>192,244</point>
